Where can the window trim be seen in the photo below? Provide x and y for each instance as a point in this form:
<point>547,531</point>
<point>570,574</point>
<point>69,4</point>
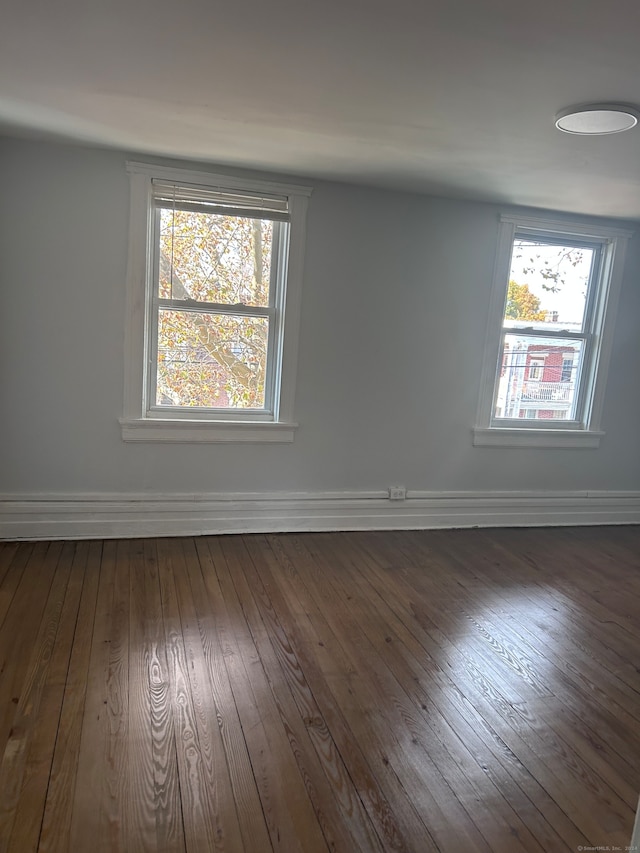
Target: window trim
<point>141,421</point>
<point>573,434</point>
<point>537,363</point>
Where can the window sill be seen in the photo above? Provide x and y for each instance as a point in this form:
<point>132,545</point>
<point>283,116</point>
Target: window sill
<point>209,432</point>
<point>543,438</point>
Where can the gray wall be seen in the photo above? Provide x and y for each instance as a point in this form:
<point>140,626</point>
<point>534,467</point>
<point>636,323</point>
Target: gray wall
<point>394,311</point>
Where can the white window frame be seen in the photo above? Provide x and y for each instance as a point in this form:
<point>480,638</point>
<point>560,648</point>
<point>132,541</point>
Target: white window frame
<point>143,421</point>
<point>536,363</point>
<point>586,431</point>
<point>570,361</point>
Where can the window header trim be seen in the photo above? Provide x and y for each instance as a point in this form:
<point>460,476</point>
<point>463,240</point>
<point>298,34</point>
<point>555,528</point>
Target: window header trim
<point>553,227</point>
<point>216,180</point>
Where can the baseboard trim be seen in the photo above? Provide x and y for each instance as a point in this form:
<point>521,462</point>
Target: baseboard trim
<point>94,516</point>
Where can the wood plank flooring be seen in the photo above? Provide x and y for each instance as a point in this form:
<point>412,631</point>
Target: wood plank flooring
<point>454,691</point>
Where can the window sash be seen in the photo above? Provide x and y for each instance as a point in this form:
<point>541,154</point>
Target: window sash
<point>190,411</point>
<point>583,381</point>
<point>237,309</point>
<point>595,275</point>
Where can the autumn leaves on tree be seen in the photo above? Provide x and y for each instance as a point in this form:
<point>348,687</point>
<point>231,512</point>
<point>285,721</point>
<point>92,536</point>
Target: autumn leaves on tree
<point>212,358</point>
<point>522,304</point>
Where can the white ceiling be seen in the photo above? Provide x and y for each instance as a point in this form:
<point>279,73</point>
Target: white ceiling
<point>448,97</point>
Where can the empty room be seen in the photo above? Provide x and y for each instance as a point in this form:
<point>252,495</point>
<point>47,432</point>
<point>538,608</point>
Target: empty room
<point>319,458</point>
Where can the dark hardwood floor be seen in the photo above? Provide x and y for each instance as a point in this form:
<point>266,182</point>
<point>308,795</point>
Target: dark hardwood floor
<point>453,691</point>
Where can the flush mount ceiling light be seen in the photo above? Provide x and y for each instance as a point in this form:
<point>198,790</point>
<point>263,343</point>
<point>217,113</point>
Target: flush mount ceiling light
<point>597,119</point>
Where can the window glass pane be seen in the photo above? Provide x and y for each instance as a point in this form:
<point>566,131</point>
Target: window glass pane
<point>538,378</point>
<point>214,258</point>
<point>211,360</point>
<point>548,285</point>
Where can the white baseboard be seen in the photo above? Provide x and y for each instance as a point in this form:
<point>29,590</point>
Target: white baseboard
<point>93,516</point>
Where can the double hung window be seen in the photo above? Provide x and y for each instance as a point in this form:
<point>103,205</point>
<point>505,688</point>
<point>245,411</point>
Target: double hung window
<point>214,286</point>
<point>550,333</point>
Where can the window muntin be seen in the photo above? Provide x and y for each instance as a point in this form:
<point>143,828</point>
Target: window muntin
<point>548,317</point>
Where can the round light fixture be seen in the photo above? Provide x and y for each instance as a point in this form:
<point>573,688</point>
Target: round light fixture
<point>597,119</point>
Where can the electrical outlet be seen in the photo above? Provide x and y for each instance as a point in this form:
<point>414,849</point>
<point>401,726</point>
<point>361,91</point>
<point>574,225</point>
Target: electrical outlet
<point>397,493</point>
